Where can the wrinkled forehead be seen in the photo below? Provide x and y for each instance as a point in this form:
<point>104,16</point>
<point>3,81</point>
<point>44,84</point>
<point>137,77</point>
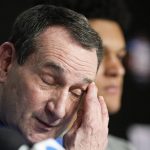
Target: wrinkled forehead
<point>56,44</point>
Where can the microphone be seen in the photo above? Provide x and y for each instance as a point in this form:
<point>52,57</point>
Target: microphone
<point>11,139</point>
<point>49,144</point>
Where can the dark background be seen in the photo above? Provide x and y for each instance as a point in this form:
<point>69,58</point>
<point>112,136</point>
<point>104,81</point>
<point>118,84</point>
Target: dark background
<point>136,98</point>
<point>10,9</point>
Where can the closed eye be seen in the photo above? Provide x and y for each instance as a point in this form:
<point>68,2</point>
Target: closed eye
<point>121,57</point>
<point>77,92</point>
<point>47,79</point>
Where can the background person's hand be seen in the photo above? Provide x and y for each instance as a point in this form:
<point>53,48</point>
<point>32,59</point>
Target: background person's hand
<point>90,130</point>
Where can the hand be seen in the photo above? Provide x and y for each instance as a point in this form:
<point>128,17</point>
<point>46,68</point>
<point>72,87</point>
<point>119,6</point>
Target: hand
<point>90,130</point>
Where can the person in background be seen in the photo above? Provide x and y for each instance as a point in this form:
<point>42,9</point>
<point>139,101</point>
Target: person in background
<point>110,19</point>
<point>47,72</point>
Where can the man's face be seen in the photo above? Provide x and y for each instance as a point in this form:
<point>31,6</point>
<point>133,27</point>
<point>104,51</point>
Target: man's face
<point>41,96</point>
<point>109,78</point>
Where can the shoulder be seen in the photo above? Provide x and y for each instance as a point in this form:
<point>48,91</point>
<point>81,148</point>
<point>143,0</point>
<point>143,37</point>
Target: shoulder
<point>116,143</point>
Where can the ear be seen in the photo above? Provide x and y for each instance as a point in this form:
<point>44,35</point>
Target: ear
<point>7,52</point>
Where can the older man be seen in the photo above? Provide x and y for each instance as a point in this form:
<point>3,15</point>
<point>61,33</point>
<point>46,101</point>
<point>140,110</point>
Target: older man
<point>47,69</point>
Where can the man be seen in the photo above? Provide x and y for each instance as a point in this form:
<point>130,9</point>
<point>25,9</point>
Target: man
<point>47,69</point>
<point>109,18</point>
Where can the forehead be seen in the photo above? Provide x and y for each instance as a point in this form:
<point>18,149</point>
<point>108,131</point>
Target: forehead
<point>110,32</point>
<point>55,44</point>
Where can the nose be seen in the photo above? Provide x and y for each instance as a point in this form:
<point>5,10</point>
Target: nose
<point>58,104</point>
<point>113,67</point>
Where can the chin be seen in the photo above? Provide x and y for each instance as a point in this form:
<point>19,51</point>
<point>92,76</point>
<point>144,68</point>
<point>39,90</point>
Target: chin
<point>114,108</point>
<point>113,105</point>
<point>36,138</point>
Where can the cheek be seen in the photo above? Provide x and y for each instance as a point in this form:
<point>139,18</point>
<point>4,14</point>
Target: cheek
<point>30,96</point>
<point>72,109</point>
<point>100,75</point>
<point>101,69</point>
<point>33,97</point>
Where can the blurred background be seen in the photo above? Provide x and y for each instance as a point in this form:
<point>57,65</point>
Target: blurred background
<point>133,120</point>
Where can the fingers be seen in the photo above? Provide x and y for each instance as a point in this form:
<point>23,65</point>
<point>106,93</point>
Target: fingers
<point>91,107</point>
<point>104,110</point>
<point>94,107</point>
<point>90,130</point>
<point>91,97</point>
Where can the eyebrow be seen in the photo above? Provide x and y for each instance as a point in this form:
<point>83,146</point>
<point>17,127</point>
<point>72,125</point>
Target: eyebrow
<point>56,67</point>
<point>87,80</point>
<point>121,49</point>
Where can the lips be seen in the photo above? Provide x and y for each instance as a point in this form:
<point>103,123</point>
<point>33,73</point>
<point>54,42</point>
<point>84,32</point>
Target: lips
<point>112,89</point>
<point>49,125</point>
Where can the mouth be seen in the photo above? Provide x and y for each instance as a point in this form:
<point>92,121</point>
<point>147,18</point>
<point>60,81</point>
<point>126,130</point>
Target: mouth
<point>48,125</point>
<point>112,89</point>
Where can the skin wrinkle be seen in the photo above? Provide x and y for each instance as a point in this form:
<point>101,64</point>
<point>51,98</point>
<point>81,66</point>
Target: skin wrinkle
<point>60,53</point>
<point>69,68</point>
<point>42,116</point>
<point>86,80</point>
<point>63,45</point>
<point>46,55</point>
<point>74,59</point>
<point>74,62</point>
